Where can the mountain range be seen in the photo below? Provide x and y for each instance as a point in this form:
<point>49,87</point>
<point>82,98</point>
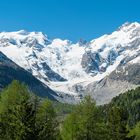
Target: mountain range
<point>66,71</point>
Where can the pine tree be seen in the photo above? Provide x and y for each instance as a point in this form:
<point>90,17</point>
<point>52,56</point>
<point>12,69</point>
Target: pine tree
<point>15,112</point>
<point>23,116</point>
<point>84,123</point>
<point>117,124</point>
<point>47,124</point>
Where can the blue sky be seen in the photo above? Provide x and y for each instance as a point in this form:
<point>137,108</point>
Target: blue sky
<point>68,19</point>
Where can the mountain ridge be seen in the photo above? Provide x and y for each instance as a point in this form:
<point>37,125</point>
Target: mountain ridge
<point>10,71</point>
<point>63,65</point>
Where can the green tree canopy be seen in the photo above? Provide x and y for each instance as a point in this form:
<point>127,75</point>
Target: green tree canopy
<point>23,116</point>
<point>84,123</point>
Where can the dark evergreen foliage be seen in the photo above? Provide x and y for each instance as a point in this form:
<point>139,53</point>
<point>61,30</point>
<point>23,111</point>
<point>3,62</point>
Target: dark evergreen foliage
<point>24,116</point>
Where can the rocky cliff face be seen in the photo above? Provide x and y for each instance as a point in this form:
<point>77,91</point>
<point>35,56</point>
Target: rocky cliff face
<point>91,62</point>
<point>104,90</point>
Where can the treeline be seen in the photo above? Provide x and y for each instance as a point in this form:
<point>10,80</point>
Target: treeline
<point>118,120</point>
<point>130,102</point>
<point>24,116</point>
<point>87,122</point>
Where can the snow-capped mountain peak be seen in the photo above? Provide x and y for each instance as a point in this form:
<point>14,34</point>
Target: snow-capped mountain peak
<point>22,37</point>
<point>63,64</point>
<point>60,43</point>
<point>127,26</point>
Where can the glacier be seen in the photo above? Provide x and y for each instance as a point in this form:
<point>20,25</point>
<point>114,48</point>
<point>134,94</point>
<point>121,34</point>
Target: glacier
<point>62,64</point>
